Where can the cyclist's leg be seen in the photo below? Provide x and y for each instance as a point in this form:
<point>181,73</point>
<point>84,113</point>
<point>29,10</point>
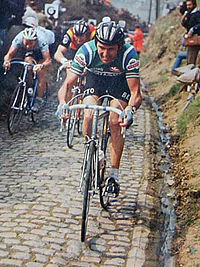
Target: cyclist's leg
<point>92,91</point>
<point>115,129</point>
<point>87,120</point>
<point>30,59</point>
<point>42,80</point>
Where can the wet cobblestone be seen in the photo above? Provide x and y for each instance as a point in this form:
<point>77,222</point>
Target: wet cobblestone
<point>40,207</point>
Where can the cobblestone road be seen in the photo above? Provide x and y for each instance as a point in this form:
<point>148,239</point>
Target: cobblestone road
<point>40,208</point>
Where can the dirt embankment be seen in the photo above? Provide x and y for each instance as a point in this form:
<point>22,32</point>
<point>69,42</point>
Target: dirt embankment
<point>164,43</point>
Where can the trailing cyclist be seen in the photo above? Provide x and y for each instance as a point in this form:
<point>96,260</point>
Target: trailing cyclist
<point>34,47</point>
<point>76,36</point>
<point>112,67</point>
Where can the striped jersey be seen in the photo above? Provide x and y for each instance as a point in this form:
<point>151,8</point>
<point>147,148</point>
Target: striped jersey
<point>126,63</point>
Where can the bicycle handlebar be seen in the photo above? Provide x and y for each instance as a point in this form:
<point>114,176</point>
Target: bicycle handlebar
<point>24,63</point>
<point>68,108</point>
<point>94,107</point>
<point>68,65</point>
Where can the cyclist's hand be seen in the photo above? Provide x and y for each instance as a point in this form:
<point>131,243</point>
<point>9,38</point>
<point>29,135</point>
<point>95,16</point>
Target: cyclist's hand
<point>65,63</point>
<point>38,67</point>
<point>6,65</point>
<point>61,112</point>
<point>128,118</point>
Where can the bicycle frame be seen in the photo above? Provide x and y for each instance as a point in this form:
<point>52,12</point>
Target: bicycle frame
<point>22,99</point>
<point>22,80</point>
<point>92,179</point>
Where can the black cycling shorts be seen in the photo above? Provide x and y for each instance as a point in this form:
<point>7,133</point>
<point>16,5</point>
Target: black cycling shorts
<point>102,85</point>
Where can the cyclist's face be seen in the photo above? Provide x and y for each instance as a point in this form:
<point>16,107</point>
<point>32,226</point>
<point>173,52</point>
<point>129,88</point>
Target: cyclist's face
<point>80,39</point>
<point>29,44</point>
<point>107,53</point>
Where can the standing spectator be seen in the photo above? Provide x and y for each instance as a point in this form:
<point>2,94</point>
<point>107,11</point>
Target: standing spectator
<point>30,11</point>
<point>138,39</point>
<point>191,21</point>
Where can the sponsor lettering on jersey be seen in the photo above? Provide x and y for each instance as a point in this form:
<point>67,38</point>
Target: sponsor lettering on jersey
<point>80,59</point>
<point>132,64</point>
<point>115,69</point>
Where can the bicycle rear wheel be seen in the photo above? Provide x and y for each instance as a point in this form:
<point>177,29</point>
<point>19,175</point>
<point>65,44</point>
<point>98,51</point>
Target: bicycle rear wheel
<point>105,135</point>
<point>89,176</point>
<point>16,108</point>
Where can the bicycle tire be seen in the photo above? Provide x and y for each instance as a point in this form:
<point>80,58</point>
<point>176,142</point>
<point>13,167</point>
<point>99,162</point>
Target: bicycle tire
<point>80,121</point>
<point>89,174</point>
<point>14,112</point>
<point>104,197</point>
<point>71,125</point>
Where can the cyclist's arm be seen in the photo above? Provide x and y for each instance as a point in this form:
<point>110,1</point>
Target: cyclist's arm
<point>70,81</point>
<point>136,97</point>
<point>47,59</point>
<point>11,52</point>
<point>59,55</point>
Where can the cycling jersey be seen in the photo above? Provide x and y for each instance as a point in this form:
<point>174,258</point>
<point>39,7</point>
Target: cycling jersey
<point>109,78</point>
<point>69,39</point>
<point>42,43</point>
<point>126,62</point>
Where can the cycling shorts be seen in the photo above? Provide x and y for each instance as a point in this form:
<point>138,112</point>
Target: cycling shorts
<point>100,85</point>
<point>36,54</point>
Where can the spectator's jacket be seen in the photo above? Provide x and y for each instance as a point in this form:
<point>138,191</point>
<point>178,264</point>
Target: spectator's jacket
<point>69,40</point>
<point>138,39</point>
<point>192,20</point>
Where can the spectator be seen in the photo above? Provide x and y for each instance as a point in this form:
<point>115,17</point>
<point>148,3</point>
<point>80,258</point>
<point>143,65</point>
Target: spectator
<point>191,21</point>
<point>182,55</point>
<point>138,39</point>
<point>30,12</point>
<point>44,21</point>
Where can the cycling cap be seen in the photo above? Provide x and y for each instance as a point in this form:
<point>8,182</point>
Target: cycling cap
<point>30,34</point>
<point>109,33</point>
<point>80,27</point>
<point>30,21</point>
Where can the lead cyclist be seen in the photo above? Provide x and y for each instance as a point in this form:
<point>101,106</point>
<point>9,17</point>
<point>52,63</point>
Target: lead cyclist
<point>112,67</point>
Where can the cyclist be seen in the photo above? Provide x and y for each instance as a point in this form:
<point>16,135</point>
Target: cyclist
<point>76,36</point>
<point>112,67</point>
<point>35,48</point>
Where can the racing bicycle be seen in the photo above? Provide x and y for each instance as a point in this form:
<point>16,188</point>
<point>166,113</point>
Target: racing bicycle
<point>75,120</point>
<point>23,97</point>
<point>96,160</point>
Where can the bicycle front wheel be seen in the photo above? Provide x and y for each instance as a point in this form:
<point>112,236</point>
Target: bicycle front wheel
<point>88,177</point>
<point>16,109</point>
<point>71,125</point>
<point>103,194</point>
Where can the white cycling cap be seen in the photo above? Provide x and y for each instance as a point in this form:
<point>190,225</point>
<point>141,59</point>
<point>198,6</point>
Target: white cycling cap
<point>30,21</point>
